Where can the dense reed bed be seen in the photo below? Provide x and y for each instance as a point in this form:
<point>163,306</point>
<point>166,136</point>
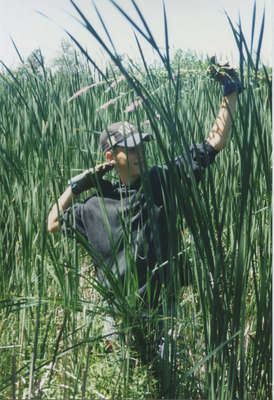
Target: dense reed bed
<point>52,342</point>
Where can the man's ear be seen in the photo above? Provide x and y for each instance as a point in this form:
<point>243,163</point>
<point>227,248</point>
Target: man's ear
<point>109,155</point>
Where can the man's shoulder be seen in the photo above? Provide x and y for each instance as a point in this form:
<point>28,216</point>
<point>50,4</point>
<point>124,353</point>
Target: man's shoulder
<point>157,172</point>
<point>158,176</point>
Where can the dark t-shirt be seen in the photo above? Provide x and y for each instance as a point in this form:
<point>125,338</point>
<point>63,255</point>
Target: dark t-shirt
<point>126,227</point>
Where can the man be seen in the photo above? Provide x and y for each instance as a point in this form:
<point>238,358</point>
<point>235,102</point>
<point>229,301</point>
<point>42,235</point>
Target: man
<point>126,224</point>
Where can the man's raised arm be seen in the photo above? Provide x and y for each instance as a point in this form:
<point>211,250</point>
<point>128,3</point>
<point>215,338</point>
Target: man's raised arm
<point>220,131</point>
<point>228,78</point>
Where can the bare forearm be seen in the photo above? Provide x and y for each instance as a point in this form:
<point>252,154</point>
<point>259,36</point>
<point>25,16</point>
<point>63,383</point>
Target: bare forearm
<point>220,131</point>
<point>63,203</point>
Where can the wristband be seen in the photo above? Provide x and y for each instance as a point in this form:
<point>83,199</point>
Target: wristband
<point>232,86</point>
<point>74,188</point>
<point>82,182</point>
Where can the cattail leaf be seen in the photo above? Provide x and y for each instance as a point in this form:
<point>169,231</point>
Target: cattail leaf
<point>116,5</point>
<point>143,58</point>
<point>258,52</point>
<point>253,27</point>
<point>17,51</point>
<point>104,27</point>
<point>168,67</point>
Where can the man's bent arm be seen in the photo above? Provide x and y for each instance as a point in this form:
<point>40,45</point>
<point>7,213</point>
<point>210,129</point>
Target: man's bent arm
<point>82,182</point>
<point>219,133</point>
<point>63,203</point>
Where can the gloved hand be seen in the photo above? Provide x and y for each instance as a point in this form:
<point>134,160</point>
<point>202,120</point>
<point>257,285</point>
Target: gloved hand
<point>226,76</point>
<point>90,177</point>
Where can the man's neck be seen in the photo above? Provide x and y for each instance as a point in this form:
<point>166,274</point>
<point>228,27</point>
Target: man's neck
<point>129,180</point>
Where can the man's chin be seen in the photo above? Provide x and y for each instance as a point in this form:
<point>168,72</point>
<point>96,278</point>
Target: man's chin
<point>134,175</point>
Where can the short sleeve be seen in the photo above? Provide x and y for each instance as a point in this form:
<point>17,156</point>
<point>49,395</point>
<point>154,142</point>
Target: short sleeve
<point>71,220</point>
<point>191,163</point>
<point>199,157</point>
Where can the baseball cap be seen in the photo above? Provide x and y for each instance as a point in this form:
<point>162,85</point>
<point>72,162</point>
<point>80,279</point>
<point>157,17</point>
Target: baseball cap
<point>123,134</point>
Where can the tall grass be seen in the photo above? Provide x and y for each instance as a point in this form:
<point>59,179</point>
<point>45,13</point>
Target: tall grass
<point>52,307</point>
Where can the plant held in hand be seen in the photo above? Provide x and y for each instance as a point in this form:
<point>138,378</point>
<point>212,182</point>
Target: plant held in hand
<point>226,76</point>
<point>89,178</point>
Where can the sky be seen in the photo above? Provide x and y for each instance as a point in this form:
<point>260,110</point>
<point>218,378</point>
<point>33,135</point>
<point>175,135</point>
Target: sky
<point>197,25</point>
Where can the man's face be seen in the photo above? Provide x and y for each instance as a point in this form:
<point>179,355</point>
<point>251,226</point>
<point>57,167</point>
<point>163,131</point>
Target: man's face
<point>128,162</point>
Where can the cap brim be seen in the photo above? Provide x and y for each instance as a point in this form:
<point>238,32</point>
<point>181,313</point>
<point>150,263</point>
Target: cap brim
<point>135,139</point>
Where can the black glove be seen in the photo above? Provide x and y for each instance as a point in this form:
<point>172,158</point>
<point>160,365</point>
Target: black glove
<point>89,178</point>
<point>226,76</point>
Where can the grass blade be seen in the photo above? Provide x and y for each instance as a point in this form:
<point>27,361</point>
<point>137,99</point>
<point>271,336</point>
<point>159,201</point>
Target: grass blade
<point>258,52</point>
<point>253,26</point>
